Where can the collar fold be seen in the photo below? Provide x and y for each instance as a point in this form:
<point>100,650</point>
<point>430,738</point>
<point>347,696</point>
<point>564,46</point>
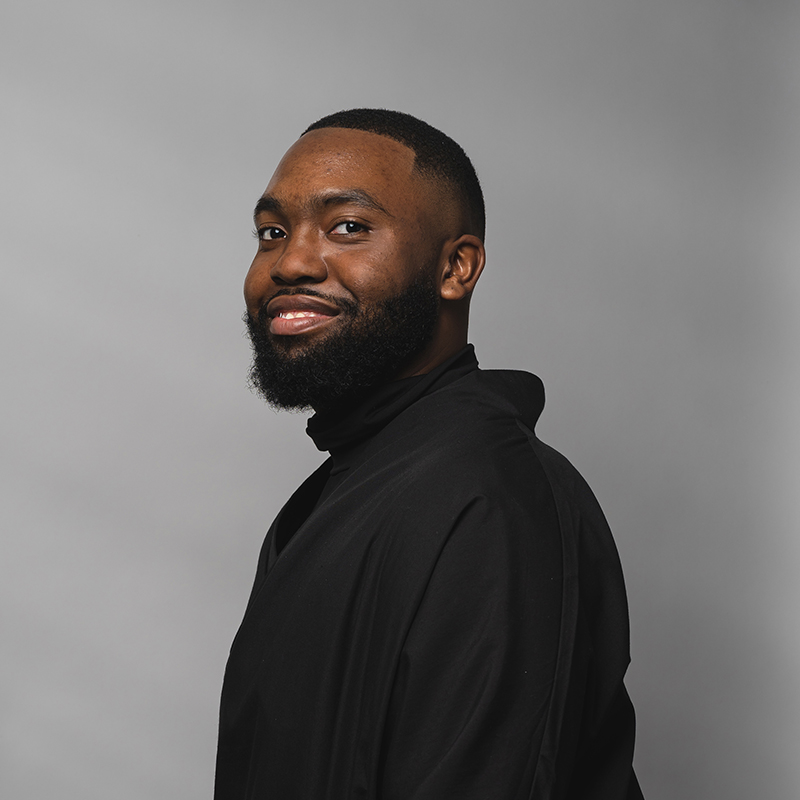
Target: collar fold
<point>341,428</point>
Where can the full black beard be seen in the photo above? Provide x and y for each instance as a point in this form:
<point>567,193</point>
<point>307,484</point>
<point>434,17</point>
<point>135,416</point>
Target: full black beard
<point>371,347</point>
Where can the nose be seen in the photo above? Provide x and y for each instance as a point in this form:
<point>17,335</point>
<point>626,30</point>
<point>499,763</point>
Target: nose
<point>299,261</point>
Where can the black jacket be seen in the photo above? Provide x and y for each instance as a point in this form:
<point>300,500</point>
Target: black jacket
<point>446,617</point>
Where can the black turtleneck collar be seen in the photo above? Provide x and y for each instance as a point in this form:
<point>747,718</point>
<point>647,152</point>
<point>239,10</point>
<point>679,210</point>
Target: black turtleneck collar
<point>341,428</point>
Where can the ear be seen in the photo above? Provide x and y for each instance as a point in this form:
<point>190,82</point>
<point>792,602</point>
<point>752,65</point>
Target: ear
<point>465,259</point>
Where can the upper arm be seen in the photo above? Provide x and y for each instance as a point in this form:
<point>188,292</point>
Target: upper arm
<point>473,685</point>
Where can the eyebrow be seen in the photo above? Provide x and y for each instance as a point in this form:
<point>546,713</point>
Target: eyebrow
<point>267,203</point>
<point>358,197</point>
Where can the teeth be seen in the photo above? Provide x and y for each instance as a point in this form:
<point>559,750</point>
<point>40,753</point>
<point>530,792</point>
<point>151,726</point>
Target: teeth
<point>296,314</point>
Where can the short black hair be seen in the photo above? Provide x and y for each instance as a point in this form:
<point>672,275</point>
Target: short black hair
<point>436,154</point>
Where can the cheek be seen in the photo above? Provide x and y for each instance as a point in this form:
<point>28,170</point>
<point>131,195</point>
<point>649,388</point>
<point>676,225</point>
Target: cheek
<point>384,271</point>
<point>255,286</point>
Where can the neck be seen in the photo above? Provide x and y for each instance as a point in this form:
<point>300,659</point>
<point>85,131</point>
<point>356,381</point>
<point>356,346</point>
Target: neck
<point>450,338</point>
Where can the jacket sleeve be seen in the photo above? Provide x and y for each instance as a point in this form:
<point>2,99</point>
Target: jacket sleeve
<point>473,685</point>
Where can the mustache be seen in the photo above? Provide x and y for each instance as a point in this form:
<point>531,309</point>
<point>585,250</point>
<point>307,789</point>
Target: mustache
<point>344,304</point>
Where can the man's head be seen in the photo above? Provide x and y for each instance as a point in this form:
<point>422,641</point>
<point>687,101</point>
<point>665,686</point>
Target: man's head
<point>370,243</point>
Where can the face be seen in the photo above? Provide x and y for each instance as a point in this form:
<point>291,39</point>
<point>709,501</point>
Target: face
<point>343,289</point>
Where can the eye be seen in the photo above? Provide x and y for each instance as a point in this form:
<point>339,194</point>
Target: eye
<point>348,227</point>
<point>270,232</point>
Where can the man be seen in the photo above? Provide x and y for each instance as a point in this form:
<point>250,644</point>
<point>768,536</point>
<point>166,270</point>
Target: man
<point>438,611</point>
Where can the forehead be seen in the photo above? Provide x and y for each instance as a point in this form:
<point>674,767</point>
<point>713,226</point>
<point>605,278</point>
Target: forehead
<point>334,159</point>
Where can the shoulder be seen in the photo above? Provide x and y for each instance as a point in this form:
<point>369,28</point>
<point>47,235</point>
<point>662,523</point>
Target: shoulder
<point>468,445</point>
<point>473,444</point>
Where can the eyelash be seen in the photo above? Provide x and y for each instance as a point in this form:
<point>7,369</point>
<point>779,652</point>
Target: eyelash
<point>256,232</point>
<point>361,226</point>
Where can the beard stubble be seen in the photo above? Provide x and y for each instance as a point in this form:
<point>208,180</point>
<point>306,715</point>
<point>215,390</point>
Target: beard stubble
<point>370,346</point>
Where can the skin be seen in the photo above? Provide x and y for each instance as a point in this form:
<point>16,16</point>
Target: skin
<point>346,217</point>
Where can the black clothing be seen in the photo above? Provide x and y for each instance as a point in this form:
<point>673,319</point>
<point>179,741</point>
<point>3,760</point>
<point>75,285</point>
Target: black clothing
<point>438,612</point>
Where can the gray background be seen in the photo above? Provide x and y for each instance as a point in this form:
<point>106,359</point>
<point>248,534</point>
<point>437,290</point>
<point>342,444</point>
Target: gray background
<point>640,164</point>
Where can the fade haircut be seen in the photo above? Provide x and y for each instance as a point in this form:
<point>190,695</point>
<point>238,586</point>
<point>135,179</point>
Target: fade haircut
<point>436,154</point>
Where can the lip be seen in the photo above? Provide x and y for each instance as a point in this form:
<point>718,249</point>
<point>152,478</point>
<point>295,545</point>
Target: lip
<point>313,313</point>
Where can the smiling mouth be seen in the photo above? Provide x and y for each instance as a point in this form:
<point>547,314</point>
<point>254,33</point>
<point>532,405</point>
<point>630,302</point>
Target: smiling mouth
<point>291,323</point>
<point>290,315</point>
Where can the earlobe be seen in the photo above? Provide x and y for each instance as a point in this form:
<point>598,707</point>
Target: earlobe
<point>466,258</point>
